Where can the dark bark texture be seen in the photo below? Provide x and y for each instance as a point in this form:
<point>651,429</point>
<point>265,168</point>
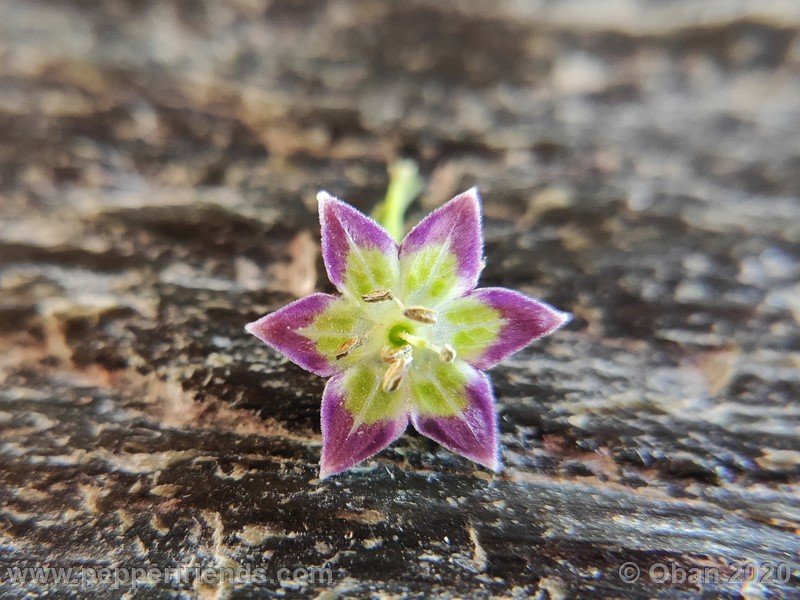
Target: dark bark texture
<point>640,167</point>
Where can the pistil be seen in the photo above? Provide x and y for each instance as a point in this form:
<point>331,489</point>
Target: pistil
<point>446,353</point>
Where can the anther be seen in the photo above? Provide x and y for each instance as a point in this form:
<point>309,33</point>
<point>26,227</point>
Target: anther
<point>347,347</point>
<point>390,354</point>
<point>394,374</point>
<point>421,314</point>
<point>378,296</point>
<point>447,354</point>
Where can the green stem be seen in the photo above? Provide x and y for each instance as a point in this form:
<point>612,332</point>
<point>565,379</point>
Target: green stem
<point>404,185</point>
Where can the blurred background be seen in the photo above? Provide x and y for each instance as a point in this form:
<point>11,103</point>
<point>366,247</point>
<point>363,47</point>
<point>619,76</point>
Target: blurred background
<point>640,167</point>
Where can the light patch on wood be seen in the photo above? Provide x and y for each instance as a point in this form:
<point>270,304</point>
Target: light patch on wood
<point>369,516</point>
<point>158,525</point>
<point>125,519</point>
<point>718,368</point>
<point>139,463</point>
<point>93,497</point>
<point>555,588</point>
<point>782,459</point>
<point>298,275</point>
<point>31,494</point>
<point>237,472</point>
<point>172,406</point>
<point>166,490</point>
<point>256,535</point>
<point>479,558</point>
<point>544,200</point>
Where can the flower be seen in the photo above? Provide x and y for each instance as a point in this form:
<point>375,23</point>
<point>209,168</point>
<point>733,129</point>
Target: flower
<point>409,337</point>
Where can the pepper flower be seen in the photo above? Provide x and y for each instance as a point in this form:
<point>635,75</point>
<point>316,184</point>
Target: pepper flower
<point>409,337</point>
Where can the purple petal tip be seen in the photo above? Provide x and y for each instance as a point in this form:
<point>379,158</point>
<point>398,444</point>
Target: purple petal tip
<point>346,230</point>
<point>495,465</point>
<point>324,198</point>
<point>344,446</point>
<point>563,318</point>
<point>279,330</point>
<point>473,433</point>
<point>525,320</point>
<point>456,227</point>
<point>325,472</point>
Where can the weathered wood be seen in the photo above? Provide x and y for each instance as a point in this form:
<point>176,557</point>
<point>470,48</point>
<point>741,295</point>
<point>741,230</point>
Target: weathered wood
<point>639,166</point>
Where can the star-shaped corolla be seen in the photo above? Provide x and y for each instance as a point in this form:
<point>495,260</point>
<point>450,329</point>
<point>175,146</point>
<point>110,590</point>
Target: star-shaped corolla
<point>409,337</point>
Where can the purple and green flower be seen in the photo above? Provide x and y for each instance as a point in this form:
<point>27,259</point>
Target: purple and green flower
<point>409,337</point>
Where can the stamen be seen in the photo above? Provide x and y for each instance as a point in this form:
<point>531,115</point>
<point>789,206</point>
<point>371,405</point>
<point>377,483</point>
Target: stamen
<point>421,314</point>
<point>394,374</point>
<point>378,296</point>
<point>390,354</point>
<point>447,354</point>
<point>347,347</point>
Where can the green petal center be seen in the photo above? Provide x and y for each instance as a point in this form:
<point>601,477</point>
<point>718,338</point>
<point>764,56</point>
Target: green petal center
<point>395,333</point>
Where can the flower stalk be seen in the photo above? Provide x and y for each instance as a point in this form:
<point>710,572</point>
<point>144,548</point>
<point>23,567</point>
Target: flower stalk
<point>404,185</point>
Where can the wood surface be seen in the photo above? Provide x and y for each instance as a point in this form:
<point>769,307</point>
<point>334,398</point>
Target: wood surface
<point>640,167</point>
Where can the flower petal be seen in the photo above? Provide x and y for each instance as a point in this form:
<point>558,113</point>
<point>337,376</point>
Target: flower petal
<point>440,258</point>
<point>469,426</point>
<point>360,256</point>
<point>280,330</point>
<point>358,420</point>
<point>490,324</point>
<point>337,331</point>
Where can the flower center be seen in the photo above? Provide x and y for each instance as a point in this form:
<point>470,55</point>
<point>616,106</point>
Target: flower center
<point>404,336</point>
<point>396,333</point>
